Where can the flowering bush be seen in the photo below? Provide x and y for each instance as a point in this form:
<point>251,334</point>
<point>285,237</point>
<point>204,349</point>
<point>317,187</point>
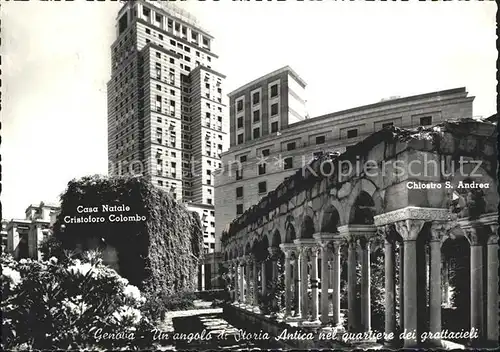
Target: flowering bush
<point>82,304</point>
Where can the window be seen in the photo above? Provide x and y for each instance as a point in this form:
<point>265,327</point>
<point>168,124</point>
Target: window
<point>148,31</point>
<point>209,200</point>
<point>320,139</point>
<point>290,146</point>
<point>240,122</point>
<point>243,158</point>
<point>256,116</point>
<point>240,138</point>
<point>263,187</point>
<point>288,163</point>
<point>426,121</point>
<point>239,105</point>
<point>256,98</point>
<point>265,152</point>
<point>352,133</point>
<point>274,109</point>
<point>239,192</point>
<point>262,169</point>
<point>239,174</point>
<point>387,124</point>
<point>274,90</point>
<point>274,127</point>
<point>256,132</point>
<point>146,11</point>
<point>239,209</point>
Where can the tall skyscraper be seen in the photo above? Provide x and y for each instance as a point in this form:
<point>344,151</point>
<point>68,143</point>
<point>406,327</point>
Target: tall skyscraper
<point>167,115</point>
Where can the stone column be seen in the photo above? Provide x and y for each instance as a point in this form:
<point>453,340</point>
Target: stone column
<point>314,283</point>
<point>255,283</point>
<point>202,277</point>
<point>365,284</point>
<point>390,288</point>
<point>438,231</point>
<point>492,289</point>
<point>401,286</point>
<point>273,252</point>
<point>288,283</point>
<point>336,283</point>
<point>476,282</point>
<point>303,296</point>
<point>445,281</point>
<point>236,280</point>
<point>351,285</point>
<point>325,283</point>
<point>296,288</point>
<point>248,293</point>
<point>242,280</point>
<point>409,230</point>
<point>263,277</point>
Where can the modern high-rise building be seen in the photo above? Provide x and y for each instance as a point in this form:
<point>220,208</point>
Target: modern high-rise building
<point>167,114</point>
<point>270,141</point>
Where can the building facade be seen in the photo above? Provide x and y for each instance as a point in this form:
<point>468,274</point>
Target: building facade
<point>259,165</point>
<point>24,236</point>
<point>167,114</point>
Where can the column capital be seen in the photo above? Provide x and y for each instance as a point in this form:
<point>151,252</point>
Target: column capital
<point>413,213</point>
<point>288,249</point>
<point>323,238</point>
<point>494,229</point>
<point>439,231</point>
<point>273,252</point>
<point>409,229</point>
<point>476,236</point>
<point>493,239</point>
<point>364,242</point>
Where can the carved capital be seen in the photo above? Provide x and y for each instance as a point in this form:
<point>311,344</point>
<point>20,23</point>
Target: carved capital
<point>250,258</point>
<point>352,242</point>
<point>493,239</point>
<point>364,243</point>
<point>476,236</point>
<point>494,229</point>
<point>409,229</point>
<point>288,253</point>
<point>313,251</point>
<point>439,231</point>
<point>413,213</point>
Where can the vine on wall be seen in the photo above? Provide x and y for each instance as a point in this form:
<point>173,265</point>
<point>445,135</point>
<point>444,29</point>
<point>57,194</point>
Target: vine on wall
<point>160,255</point>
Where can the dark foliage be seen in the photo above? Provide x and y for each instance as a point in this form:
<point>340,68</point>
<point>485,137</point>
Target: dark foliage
<point>159,255</point>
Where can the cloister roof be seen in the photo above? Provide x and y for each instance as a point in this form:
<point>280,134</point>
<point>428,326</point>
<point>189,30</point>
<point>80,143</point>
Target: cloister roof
<point>303,179</point>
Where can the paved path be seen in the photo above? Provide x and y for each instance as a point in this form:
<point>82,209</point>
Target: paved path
<point>205,329</point>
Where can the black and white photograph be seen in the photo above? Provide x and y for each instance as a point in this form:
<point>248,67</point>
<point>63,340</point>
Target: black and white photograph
<point>249,174</point>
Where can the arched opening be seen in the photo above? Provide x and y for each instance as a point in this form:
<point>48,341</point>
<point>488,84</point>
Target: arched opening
<point>290,234</point>
<point>363,210</point>
<point>330,220</point>
<point>276,241</point>
<point>307,228</point>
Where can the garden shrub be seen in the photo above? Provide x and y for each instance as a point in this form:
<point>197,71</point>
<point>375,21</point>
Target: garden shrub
<point>46,305</point>
<point>159,255</point>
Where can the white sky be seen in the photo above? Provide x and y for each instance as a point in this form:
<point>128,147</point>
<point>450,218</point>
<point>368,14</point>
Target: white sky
<point>56,62</point>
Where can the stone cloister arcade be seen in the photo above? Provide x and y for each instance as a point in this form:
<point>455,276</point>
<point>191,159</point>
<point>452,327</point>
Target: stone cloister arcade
<point>328,210</point>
